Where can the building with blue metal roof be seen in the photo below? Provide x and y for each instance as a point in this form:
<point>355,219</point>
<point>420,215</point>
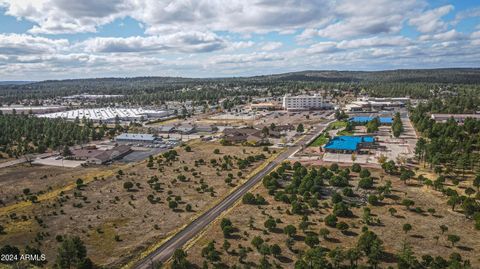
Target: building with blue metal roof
<point>348,143</point>
<point>363,120</point>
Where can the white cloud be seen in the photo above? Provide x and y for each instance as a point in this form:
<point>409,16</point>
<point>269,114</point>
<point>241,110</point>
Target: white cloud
<point>321,47</point>
<point>65,16</point>
<point>257,16</point>
<point>181,42</point>
<point>431,20</point>
<point>227,37</point>
<point>268,46</point>
<point>240,45</point>
<point>22,44</point>
<point>307,34</point>
<point>475,35</point>
<point>245,58</point>
<point>465,14</point>
<point>353,18</point>
<point>451,35</point>
<point>379,52</point>
<point>375,42</point>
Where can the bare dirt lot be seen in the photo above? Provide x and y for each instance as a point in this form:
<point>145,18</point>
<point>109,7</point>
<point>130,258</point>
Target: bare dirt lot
<point>262,118</point>
<point>249,222</point>
<point>36,178</point>
<point>118,220</point>
<point>282,117</point>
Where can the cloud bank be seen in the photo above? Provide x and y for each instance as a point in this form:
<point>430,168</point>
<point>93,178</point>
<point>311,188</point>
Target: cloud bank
<point>230,37</point>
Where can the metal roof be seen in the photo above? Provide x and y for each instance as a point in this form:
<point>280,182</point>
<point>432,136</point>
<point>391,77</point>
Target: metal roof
<point>105,113</point>
<point>363,119</point>
<point>348,142</point>
<point>136,137</point>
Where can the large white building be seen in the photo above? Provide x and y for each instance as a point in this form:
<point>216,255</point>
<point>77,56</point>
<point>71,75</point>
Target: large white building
<point>305,102</point>
<point>31,109</point>
<point>374,104</point>
<point>109,114</point>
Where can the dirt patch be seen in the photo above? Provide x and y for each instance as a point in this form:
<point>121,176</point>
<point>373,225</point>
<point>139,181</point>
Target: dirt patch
<point>117,224</point>
<point>37,178</point>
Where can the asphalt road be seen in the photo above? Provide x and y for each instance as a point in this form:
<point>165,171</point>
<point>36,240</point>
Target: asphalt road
<point>165,251</point>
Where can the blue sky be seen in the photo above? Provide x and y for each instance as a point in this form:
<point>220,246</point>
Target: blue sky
<point>56,39</point>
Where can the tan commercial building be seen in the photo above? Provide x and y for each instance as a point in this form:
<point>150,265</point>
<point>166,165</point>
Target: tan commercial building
<point>96,156</point>
<point>460,118</point>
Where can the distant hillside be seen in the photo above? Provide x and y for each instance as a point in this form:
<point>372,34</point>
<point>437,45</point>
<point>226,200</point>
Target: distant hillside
<point>448,75</point>
<point>155,90</point>
<point>16,82</point>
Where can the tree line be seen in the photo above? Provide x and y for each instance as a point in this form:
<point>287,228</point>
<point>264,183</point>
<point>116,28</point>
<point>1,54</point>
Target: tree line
<point>24,134</point>
<point>450,145</point>
<point>397,125</point>
<point>158,90</point>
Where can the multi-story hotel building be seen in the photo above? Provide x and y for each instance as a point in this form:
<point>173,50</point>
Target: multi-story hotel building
<point>305,102</point>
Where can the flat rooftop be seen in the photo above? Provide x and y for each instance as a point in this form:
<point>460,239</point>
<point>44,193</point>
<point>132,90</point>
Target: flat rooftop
<point>8,108</point>
<point>262,104</point>
<point>348,142</point>
<point>364,119</point>
<point>135,137</point>
<point>106,113</point>
<point>455,116</point>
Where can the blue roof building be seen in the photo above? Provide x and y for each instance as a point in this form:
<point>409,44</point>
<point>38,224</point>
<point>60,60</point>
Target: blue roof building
<point>348,143</point>
<point>363,119</point>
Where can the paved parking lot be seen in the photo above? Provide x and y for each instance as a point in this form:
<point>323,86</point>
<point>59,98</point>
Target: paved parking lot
<point>62,163</point>
<point>237,116</point>
<point>403,146</point>
<point>391,147</point>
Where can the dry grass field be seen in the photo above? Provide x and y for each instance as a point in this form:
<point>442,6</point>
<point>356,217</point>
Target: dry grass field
<point>117,224</point>
<point>37,178</point>
<point>249,222</point>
